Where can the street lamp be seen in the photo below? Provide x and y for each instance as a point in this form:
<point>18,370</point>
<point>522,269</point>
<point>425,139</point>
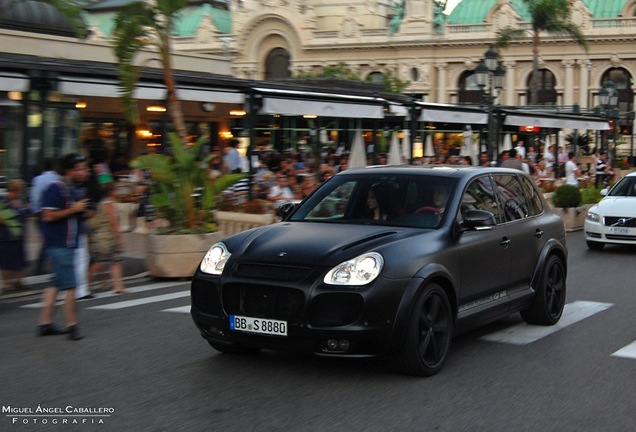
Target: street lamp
<point>608,97</point>
<point>490,75</point>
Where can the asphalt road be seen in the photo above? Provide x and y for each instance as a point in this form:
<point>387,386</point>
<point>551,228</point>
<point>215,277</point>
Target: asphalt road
<point>147,368</point>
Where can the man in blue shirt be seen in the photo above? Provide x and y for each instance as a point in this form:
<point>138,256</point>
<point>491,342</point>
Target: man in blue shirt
<point>61,216</point>
<point>232,159</point>
<point>39,184</point>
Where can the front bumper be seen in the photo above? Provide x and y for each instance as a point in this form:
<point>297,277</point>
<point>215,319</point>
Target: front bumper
<point>361,319</point>
<point>599,232</point>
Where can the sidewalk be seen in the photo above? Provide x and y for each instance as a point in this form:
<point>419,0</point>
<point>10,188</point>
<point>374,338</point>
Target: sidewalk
<point>134,264</point>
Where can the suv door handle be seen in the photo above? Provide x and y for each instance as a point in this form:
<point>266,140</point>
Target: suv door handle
<point>505,242</point>
<point>538,233</point>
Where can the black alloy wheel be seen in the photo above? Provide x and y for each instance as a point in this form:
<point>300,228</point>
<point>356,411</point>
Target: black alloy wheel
<point>429,334</point>
<point>547,306</point>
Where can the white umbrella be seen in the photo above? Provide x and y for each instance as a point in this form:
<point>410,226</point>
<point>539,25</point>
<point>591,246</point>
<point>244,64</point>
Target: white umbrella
<point>546,146</point>
<point>406,145</point>
<point>468,149</point>
<point>562,140</point>
<point>507,144</point>
<point>395,158</point>
<point>357,157</point>
<point>428,148</point>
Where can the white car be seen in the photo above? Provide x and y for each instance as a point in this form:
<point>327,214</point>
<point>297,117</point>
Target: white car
<point>613,220</point>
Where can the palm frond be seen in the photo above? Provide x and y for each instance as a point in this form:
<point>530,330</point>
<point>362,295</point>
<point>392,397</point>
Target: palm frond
<point>506,35</point>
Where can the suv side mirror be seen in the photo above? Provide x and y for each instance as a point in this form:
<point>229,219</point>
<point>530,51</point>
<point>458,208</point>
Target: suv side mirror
<point>604,192</point>
<point>478,220</point>
<point>285,210</point>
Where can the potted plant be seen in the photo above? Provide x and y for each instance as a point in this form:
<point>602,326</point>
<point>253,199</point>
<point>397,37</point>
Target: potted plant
<point>235,214</point>
<point>566,201</point>
<point>184,197</point>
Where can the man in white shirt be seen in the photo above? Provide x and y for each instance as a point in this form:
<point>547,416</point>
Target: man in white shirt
<point>521,150</point>
<point>572,171</point>
<point>280,193</point>
<point>549,158</point>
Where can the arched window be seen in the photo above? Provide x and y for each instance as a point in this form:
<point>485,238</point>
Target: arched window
<point>546,94</point>
<point>277,64</point>
<point>376,77</point>
<point>624,83</point>
<point>469,91</point>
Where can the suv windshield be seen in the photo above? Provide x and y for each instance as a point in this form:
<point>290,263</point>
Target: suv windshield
<point>417,201</point>
<point>626,188</point>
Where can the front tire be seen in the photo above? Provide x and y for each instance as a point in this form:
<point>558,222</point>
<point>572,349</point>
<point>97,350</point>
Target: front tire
<point>595,245</point>
<point>549,300</point>
<point>233,348</point>
<point>429,334</point>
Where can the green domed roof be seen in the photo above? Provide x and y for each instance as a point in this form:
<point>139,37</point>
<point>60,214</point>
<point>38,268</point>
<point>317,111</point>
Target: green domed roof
<point>476,11</point>
<point>605,8</point>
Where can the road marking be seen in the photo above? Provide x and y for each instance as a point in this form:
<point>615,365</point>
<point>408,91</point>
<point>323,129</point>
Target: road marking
<point>147,300</point>
<point>628,351</point>
<point>104,295</point>
<point>523,334</point>
<point>182,310</point>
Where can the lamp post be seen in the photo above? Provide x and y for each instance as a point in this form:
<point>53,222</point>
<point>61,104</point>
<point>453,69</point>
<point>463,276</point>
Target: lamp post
<point>609,109</point>
<point>489,75</point>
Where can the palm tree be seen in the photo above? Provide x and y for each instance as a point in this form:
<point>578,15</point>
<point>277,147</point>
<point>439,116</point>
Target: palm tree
<point>147,24</point>
<point>550,16</point>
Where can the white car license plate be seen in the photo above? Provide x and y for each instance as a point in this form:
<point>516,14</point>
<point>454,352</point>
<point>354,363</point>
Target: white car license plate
<point>617,230</point>
<point>258,325</point>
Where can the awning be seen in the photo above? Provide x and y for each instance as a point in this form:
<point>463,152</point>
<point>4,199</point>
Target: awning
<point>453,116</point>
<point>144,91</point>
<point>555,122</point>
<point>10,81</point>
<point>322,108</point>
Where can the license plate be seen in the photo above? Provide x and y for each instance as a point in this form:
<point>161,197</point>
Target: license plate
<point>258,325</point>
<point>616,230</point>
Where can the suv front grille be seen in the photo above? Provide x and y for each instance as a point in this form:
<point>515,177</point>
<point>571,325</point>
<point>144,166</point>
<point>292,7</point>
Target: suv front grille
<point>272,272</point>
<point>263,301</point>
<point>630,222</point>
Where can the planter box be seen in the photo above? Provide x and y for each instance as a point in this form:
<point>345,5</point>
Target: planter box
<point>574,217</point>
<point>230,223</point>
<point>177,255</point>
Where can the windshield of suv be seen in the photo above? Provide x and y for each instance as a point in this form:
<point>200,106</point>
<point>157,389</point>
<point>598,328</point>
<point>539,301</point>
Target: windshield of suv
<point>625,188</point>
<point>417,201</point>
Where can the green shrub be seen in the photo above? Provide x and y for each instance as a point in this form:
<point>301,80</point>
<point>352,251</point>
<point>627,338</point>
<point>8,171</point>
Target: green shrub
<point>590,195</point>
<point>566,196</point>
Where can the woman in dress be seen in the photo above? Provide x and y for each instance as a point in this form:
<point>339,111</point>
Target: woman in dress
<point>106,242</point>
<point>12,259</point>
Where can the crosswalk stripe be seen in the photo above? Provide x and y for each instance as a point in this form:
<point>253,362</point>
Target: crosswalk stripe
<point>628,351</point>
<point>182,310</point>
<point>146,300</point>
<point>523,334</point>
<point>142,288</point>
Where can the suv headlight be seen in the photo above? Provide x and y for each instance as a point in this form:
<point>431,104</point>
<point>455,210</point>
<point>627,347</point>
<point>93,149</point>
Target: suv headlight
<point>592,217</point>
<point>215,259</point>
<point>356,272</point>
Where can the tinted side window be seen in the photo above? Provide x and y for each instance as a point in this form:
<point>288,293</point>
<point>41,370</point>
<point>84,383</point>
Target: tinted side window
<point>511,196</point>
<point>534,202</point>
<point>479,195</point>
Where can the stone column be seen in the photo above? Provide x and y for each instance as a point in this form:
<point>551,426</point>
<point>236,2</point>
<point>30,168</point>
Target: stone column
<point>510,82</point>
<point>568,88</point>
<point>441,81</point>
<point>584,83</point>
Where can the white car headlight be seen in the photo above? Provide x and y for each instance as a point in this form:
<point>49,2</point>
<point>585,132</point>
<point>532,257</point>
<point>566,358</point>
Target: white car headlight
<point>592,217</point>
<point>356,272</point>
<point>215,259</point>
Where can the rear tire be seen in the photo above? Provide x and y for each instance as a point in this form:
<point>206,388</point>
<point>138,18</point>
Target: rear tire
<point>233,348</point>
<point>429,334</point>
<point>595,245</point>
<point>549,300</point>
